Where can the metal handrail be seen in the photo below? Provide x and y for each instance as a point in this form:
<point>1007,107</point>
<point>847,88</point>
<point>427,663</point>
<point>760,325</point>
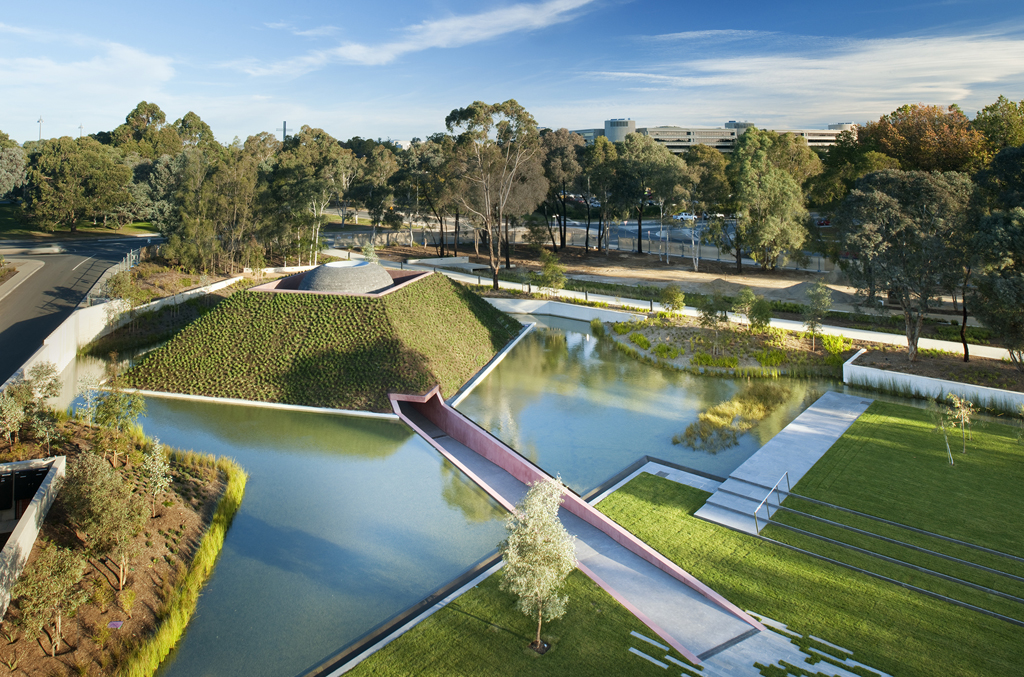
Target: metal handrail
<point>768,506</point>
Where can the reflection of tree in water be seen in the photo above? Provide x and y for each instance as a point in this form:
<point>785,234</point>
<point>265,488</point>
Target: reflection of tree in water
<point>719,427</point>
<point>462,493</point>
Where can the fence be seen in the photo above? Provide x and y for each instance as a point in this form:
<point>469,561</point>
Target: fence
<point>98,292</point>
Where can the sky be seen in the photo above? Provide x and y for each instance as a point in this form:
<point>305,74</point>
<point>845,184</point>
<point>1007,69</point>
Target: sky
<point>395,68</point>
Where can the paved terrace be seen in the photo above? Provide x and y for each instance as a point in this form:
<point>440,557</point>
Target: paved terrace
<point>681,610</point>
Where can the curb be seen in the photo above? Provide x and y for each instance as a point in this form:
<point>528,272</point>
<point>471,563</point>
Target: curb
<point>25,270</point>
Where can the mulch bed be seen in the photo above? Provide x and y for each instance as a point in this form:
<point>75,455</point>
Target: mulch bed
<point>947,366</point>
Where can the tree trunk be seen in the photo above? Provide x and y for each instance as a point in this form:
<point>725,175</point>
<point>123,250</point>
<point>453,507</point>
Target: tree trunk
<point>540,618</point>
<point>122,565</point>
<point>564,212</point>
<point>586,239</point>
<point>54,644</point>
<point>963,331</point>
<point>739,259</point>
<point>508,248</point>
<point>455,245</point>
<point>640,229</point>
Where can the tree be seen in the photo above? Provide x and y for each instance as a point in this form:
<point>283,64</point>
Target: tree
<point>56,178</point>
<point>117,409</point>
<point>959,414</point>
<point>646,170</point>
<point>144,132</point>
<point>48,591</point>
<point>562,151</point>
<point>897,225</point>
<point>711,193</point>
<point>100,504</point>
<point>381,165</point>
<point>157,471</point>
<point>927,138</point>
<point>997,299</point>
<point>843,163</point>
<point>712,313</point>
<point>600,162</point>
<point>744,303</point>
<point>760,315</point>
<point>538,554</point>
<point>437,180</point>
<point>770,197</point>
<point>1002,123</point>
<point>672,298</point>
<point>312,171</point>
<point>12,414</point>
<point>493,166</point>
<point>552,274</point>
<point>12,169</point>
<point>194,132</point>
<point>819,298</point>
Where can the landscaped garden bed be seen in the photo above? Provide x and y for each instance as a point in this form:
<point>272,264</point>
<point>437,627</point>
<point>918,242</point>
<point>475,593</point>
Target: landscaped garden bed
<point>949,366</point>
<point>126,631</point>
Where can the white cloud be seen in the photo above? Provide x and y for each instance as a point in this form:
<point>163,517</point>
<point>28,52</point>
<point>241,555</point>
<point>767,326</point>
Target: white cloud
<point>858,79</point>
<point>450,32</point>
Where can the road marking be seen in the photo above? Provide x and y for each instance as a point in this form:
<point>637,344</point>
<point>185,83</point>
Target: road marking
<point>76,267</point>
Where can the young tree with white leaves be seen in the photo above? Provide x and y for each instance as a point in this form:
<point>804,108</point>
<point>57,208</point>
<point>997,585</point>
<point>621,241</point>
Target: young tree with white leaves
<point>538,554</point>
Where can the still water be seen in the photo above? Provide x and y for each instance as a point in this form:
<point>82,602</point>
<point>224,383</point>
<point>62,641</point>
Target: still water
<point>576,406</point>
<point>347,522</point>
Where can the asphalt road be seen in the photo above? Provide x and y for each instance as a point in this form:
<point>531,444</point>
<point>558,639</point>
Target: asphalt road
<point>32,311</point>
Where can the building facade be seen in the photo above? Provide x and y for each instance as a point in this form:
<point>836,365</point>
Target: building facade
<point>680,139</point>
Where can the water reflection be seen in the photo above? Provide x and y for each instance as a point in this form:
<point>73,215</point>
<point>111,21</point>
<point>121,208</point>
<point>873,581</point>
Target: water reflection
<point>576,406</point>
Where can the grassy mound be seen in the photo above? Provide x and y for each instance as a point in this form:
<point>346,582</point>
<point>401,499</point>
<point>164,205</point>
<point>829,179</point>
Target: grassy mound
<point>343,352</point>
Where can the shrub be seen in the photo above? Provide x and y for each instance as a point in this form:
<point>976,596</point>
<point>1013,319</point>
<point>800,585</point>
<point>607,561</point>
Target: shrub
<point>672,298</point>
<point>770,357</point>
<point>760,315</point>
<point>597,327</point>
<point>638,339</point>
<point>702,359</point>
<point>666,352</point>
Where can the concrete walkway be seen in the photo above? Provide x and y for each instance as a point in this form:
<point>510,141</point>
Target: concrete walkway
<point>692,623</point>
<point>990,352</point>
<point>794,450</point>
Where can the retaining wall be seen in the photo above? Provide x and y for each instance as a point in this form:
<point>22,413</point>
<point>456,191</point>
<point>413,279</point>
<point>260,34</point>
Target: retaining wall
<point>19,546</point>
<point>570,311</point>
<point>924,386</point>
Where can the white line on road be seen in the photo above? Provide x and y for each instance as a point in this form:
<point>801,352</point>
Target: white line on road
<point>76,267</point>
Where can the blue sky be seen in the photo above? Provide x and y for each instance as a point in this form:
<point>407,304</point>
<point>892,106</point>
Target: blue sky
<point>395,68</point>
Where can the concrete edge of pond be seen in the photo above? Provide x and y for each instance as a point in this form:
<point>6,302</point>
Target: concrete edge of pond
<point>475,380</point>
<point>265,405</point>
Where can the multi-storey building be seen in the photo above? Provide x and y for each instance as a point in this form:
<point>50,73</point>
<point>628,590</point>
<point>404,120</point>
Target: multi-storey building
<point>680,139</point>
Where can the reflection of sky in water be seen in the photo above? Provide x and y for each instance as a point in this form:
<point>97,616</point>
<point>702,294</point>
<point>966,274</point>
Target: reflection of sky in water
<point>578,407</point>
<point>345,523</point>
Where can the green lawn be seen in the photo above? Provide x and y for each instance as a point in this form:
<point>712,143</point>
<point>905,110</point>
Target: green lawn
<point>890,464</point>
<point>886,626</point>
<point>12,228</point>
<point>482,633</point>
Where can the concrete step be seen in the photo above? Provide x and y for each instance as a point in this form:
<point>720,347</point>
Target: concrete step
<point>728,518</point>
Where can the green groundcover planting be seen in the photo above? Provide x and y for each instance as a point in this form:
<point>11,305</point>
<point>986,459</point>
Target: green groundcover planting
<point>483,633</point>
<point>888,627</point>
<point>342,352</point>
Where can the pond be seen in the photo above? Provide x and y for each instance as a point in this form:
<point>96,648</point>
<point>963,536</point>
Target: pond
<point>347,521</point>
<point>576,406</point>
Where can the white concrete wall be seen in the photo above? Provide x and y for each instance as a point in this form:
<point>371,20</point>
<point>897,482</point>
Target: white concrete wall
<point>570,311</point>
<point>19,545</point>
<point>991,398</point>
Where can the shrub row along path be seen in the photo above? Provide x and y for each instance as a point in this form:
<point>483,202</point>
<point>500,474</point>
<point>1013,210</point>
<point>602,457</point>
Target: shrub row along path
<point>990,352</point>
<point>793,451</point>
<point>696,626</point>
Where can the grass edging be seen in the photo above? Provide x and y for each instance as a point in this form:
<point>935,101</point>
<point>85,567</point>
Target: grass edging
<point>182,603</point>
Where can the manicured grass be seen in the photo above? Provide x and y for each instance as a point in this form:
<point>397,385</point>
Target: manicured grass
<point>891,464</point>
<point>13,228</point>
<point>482,633</point>
<point>886,626</point>
<point>342,352</point>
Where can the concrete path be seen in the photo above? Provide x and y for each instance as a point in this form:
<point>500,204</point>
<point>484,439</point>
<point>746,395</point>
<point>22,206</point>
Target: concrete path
<point>24,268</point>
<point>661,601</point>
<point>794,450</point>
<point>989,352</point>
